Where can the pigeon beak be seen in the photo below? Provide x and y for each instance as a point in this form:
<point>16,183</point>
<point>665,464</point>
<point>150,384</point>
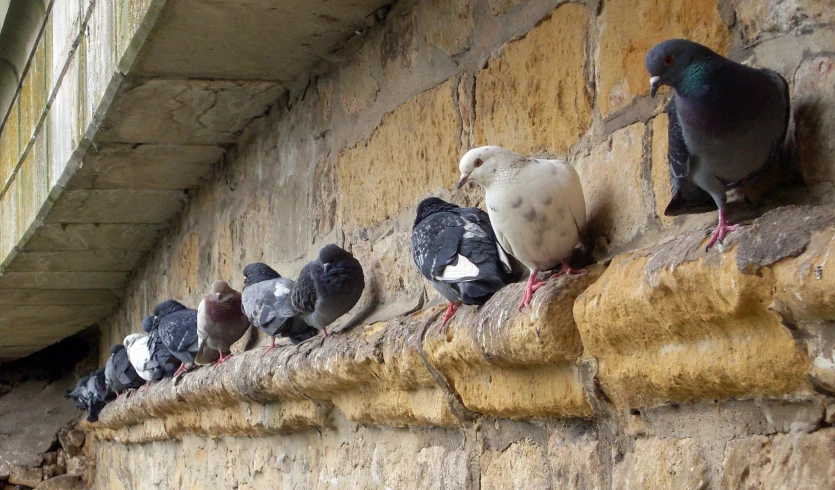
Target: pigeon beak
<point>654,83</point>
<point>464,179</point>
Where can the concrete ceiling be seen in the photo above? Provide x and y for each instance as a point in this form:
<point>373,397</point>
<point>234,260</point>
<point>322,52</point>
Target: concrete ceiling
<point>207,68</point>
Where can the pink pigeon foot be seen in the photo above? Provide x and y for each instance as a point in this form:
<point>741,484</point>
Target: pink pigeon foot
<point>180,370</point>
<point>222,359</point>
<point>566,269</point>
<point>271,347</point>
<point>722,230</point>
<point>325,332</point>
<point>531,288</point>
<point>450,310</point>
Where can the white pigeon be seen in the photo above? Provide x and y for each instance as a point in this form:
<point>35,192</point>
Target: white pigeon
<point>139,355</point>
<point>536,207</point>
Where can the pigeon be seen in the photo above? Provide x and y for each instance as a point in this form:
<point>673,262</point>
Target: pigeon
<point>327,287</point>
<point>457,251</point>
<point>91,394</point>
<point>727,124</point>
<point>119,374</point>
<point>162,362</point>
<point>176,327</point>
<point>220,322</point>
<point>536,207</point>
<point>266,303</point>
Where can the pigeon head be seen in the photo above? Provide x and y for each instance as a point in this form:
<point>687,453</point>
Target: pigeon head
<point>116,348</point>
<point>169,306</point>
<point>331,253</point>
<point>669,63</point>
<point>149,323</point>
<point>430,206</point>
<point>131,339</point>
<point>221,291</point>
<point>258,272</point>
<point>485,164</point>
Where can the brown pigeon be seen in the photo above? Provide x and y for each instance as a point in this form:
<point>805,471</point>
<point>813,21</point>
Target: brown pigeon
<point>220,322</point>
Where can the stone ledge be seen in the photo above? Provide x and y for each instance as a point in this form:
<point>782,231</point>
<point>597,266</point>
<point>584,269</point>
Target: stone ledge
<point>673,323</point>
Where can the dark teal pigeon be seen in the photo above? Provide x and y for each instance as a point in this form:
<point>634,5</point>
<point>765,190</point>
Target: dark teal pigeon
<point>727,124</point>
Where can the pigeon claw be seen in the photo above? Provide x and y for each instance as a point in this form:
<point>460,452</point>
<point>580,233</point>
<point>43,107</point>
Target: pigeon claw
<point>722,230</point>
<point>450,311</point>
<point>223,359</point>
<point>531,288</point>
<point>271,347</point>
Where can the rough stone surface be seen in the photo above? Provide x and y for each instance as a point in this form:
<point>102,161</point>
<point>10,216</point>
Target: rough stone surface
<point>628,29</point>
<point>660,463</point>
<point>25,475</point>
<point>795,460</point>
<point>768,18</point>
<point>611,177</point>
<point>660,170</point>
<point>63,482</point>
<point>544,73</point>
<point>814,95</point>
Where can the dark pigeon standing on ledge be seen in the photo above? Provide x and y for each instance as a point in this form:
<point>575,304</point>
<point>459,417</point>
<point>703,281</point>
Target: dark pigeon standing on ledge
<point>457,251</point>
<point>727,124</point>
<point>91,394</point>
<point>119,373</point>
<point>163,363</point>
<point>220,323</point>
<point>79,394</point>
<point>328,287</point>
<point>177,327</point>
<point>266,302</point>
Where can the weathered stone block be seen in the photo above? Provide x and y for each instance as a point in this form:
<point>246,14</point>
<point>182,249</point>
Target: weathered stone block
<point>576,463</point>
<point>507,363</point>
<point>814,102</point>
<point>795,460</point>
<point>769,18</point>
<point>629,28</point>
<point>660,169</point>
<point>10,144</point>
<point>612,185</point>
<point>33,95</point>
<point>662,463</point>
<point>675,323</point>
<point>357,86</point>
<point>63,482</point>
<point>534,97</point>
<point>449,24</point>
<point>25,475</point>
<point>521,465</point>
<point>414,151</point>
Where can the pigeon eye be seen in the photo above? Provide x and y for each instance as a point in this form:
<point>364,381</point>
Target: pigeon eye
<point>669,60</point>
<point>477,163</point>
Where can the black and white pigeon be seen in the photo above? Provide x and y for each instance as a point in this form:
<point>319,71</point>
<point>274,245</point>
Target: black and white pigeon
<point>327,287</point>
<point>163,363</point>
<point>177,328</point>
<point>536,207</point>
<point>91,395</point>
<point>456,249</point>
<point>139,355</point>
<point>220,323</point>
<point>265,299</point>
<point>119,374</point>
<point>727,124</point>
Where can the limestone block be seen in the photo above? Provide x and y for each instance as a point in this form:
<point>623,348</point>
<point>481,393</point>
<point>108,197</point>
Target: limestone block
<point>767,18</point>
<point>521,465</point>
<point>357,86</point>
<point>660,169</point>
<point>513,364</point>
<point>63,482</point>
<point>448,24</point>
<point>380,177</point>
<point>612,185</point>
<point>814,102</point>
<point>81,237</point>
<point>25,475</point>
<point>129,15</point>
<point>72,441</point>
<point>64,124</point>
<point>629,28</point>
<point>8,213</point>
<point>10,144</point>
<point>498,7</point>
<point>675,323</point>
<point>576,463</point>
<point>116,206</point>
<point>784,461</point>
<point>33,94</point>
<point>534,97</point>
<point>662,463</point>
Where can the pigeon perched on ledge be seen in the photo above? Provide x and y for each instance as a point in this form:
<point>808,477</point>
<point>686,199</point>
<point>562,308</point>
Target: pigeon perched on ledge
<point>91,394</point>
<point>266,303</point>
<point>163,363</point>
<point>536,207</point>
<point>220,323</point>
<point>119,373</point>
<point>727,124</point>
<point>177,327</point>
<point>457,251</point>
<point>328,287</point>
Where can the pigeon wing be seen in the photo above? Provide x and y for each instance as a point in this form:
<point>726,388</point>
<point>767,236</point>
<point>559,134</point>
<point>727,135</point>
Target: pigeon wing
<point>303,297</point>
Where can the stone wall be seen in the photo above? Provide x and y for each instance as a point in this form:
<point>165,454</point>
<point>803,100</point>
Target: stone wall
<point>664,367</point>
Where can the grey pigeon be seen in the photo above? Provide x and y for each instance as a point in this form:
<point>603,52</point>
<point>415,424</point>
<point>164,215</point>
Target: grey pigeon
<point>91,394</point>
<point>220,323</point>
<point>162,363</point>
<point>727,124</point>
<point>266,303</point>
<point>119,374</point>
<point>457,251</point>
<point>328,287</point>
<point>536,207</point>
<point>177,327</point>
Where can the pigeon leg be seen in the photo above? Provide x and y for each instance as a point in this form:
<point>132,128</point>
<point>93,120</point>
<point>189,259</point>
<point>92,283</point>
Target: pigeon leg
<point>531,287</point>
<point>224,358</point>
<point>721,231</point>
<point>271,347</point>
<point>180,370</point>
<point>450,310</point>
<point>325,332</point>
